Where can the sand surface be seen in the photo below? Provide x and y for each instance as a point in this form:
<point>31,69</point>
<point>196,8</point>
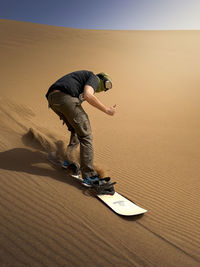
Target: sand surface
<point>150,148</point>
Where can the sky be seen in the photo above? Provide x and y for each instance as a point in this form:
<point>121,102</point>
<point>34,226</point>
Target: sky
<point>106,14</point>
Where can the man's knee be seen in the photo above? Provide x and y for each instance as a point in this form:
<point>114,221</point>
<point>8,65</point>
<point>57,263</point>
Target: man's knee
<point>86,139</point>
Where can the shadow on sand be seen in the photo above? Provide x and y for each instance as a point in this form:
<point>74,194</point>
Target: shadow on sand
<point>35,163</point>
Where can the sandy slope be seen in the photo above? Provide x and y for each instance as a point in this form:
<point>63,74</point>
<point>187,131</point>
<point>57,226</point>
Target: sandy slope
<point>151,148</point>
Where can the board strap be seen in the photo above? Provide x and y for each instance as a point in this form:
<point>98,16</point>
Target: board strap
<point>104,189</point>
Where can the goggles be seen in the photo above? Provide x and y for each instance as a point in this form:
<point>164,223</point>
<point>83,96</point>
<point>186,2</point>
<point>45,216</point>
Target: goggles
<point>107,83</point>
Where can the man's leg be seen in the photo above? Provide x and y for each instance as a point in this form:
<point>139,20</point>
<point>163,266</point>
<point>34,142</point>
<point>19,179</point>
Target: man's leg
<point>73,144</point>
<point>72,110</point>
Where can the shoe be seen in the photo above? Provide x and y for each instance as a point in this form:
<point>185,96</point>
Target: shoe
<point>90,181</point>
<point>66,164</point>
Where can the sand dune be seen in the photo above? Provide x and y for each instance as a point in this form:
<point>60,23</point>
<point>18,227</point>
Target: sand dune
<point>150,148</point>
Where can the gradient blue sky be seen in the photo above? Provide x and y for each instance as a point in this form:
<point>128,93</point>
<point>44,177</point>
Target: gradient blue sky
<point>106,14</point>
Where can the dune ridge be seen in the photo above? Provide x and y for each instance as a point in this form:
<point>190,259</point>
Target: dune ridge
<point>150,148</point>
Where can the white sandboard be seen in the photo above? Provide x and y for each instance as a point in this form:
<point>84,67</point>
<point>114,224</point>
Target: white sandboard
<point>121,205</point>
<point>116,202</point>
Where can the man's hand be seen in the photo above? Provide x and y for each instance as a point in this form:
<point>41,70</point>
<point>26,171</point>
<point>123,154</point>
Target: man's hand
<point>111,110</point>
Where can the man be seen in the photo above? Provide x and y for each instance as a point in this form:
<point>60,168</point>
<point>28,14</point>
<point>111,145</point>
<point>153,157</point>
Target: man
<point>65,97</point>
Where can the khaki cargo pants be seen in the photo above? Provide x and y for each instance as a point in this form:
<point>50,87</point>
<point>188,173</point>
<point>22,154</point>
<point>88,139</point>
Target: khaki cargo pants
<point>70,110</point>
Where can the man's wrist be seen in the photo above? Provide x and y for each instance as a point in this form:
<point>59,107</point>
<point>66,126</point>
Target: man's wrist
<point>106,110</point>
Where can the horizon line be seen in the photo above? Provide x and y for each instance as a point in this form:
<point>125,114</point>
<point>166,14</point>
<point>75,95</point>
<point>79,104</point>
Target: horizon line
<point>105,29</point>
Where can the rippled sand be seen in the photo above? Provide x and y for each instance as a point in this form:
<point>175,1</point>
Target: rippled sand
<point>150,148</point>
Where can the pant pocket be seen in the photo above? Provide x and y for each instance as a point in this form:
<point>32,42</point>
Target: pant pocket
<point>82,123</point>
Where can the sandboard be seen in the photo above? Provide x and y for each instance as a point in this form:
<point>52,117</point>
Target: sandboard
<point>121,205</point>
<point>118,203</point>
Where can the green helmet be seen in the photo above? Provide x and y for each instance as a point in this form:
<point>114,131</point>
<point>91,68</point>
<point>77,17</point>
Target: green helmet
<point>105,82</point>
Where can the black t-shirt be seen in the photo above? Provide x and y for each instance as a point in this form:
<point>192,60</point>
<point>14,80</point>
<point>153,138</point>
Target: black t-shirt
<point>73,83</point>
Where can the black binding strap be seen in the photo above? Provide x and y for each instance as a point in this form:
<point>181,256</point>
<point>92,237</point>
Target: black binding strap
<point>104,189</point>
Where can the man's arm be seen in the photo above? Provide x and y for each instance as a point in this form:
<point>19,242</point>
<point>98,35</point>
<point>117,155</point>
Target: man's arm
<point>94,101</point>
